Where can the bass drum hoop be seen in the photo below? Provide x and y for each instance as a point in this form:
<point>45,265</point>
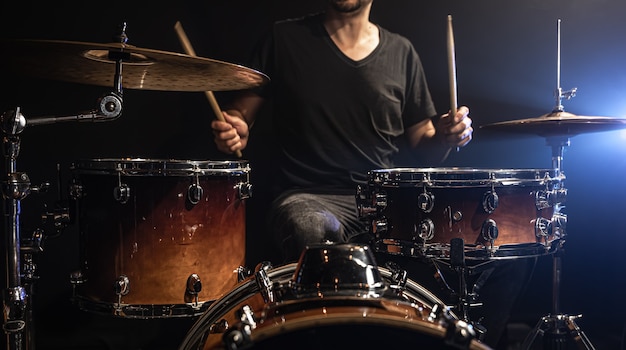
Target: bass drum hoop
<point>243,291</point>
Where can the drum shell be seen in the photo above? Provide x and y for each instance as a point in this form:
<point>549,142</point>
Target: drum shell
<point>316,323</point>
<point>459,210</point>
<point>158,237</point>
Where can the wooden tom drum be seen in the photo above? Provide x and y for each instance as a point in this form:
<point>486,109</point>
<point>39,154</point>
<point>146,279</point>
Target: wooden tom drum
<point>159,238</point>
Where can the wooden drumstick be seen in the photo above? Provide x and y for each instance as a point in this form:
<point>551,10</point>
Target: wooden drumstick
<point>452,70</point>
<point>184,40</point>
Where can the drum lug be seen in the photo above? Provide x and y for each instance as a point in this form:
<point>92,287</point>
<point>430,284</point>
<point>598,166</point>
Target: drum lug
<point>398,277</point>
<point>122,286</point>
<point>559,224</point>
<point>195,193</point>
<point>543,228</point>
<point>426,201</point>
<point>426,230</point>
<point>244,190</point>
<point>263,282</point>
<point>547,199</point>
<point>489,230</point>
<point>194,287</point>
<point>490,201</point>
<point>243,273</point>
<point>121,193</point>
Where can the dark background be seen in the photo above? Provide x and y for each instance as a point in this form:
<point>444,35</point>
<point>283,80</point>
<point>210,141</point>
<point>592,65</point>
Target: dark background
<point>506,57</point>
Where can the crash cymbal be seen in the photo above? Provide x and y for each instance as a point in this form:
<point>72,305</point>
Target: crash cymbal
<point>560,124</point>
<point>89,63</point>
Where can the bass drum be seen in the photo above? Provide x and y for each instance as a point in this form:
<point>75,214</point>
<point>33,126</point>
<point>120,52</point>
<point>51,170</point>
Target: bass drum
<point>284,307</point>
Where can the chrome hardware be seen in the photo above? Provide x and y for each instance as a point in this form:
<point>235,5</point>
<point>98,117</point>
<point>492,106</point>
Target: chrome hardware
<point>543,227</point>
<point>244,190</point>
<point>426,201</point>
<point>380,226</point>
<point>547,199</point>
<point>489,230</point>
<point>122,286</point>
<point>426,230</point>
<point>121,193</point>
<point>194,284</point>
<point>490,201</point>
<point>195,193</point>
<point>263,281</point>
<point>453,216</point>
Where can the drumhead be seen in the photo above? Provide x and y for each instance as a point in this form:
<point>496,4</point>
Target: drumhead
<point>462,177</point>
<point>160,167</point>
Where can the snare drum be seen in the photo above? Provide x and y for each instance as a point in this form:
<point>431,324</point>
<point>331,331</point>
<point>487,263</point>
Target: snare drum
<point>498,213</point>
<point>322,302</point>
<point>158,238</point>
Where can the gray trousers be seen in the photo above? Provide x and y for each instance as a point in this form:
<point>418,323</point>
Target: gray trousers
<point>297,219</point>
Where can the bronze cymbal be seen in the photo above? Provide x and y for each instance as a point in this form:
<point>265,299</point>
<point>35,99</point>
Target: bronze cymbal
<point>560,124</point>
<point>89,63</point>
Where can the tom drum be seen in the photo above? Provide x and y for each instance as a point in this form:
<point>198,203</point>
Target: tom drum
<point>158,238</point>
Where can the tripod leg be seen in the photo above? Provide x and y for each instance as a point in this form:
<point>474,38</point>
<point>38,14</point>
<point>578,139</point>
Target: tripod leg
<point>530,338</point>
<point>580,336</point>
<point>558,329</point>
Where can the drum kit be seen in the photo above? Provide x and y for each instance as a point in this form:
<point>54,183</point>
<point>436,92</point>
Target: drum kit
<point>164,238</point>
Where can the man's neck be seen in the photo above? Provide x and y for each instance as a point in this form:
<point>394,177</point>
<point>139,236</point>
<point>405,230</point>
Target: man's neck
<point>353,33</point>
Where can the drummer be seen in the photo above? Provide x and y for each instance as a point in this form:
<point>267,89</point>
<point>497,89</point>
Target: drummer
<point>346,96</point>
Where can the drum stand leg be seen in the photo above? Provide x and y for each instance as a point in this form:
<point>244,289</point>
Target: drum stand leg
<point>556,328</point>
<point>465,299</point>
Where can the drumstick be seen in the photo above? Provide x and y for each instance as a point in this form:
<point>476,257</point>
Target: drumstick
<point>209,94</point>
<point>452,70</point>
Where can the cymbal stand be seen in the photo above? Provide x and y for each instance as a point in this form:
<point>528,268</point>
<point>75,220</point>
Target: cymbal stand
<point>17,301</point>
<point>15,188</point>
<point>556,327</point>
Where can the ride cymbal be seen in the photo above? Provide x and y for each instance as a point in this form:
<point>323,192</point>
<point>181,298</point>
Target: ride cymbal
<point>94,64</point>
<point>559,124</point>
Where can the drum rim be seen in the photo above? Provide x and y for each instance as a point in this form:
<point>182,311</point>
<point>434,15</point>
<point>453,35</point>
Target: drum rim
<point>155,166</point>
<point>463,177</point>
<point>248,288</point>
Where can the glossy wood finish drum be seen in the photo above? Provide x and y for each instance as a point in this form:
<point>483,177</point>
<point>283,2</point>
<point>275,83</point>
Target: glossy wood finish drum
<point>498,213</point>
<point>159,238</point>
<point>284,308</point>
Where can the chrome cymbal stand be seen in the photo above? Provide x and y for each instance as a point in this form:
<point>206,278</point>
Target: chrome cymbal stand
<point>16,186</point>
<point>557,327</point>
<point>17,301</point>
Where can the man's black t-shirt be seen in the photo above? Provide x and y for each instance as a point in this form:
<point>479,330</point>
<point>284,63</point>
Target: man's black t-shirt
<point>335,119</point>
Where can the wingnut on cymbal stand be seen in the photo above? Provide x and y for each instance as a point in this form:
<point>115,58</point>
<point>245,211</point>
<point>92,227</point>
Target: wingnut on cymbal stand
<point>17,297</point>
